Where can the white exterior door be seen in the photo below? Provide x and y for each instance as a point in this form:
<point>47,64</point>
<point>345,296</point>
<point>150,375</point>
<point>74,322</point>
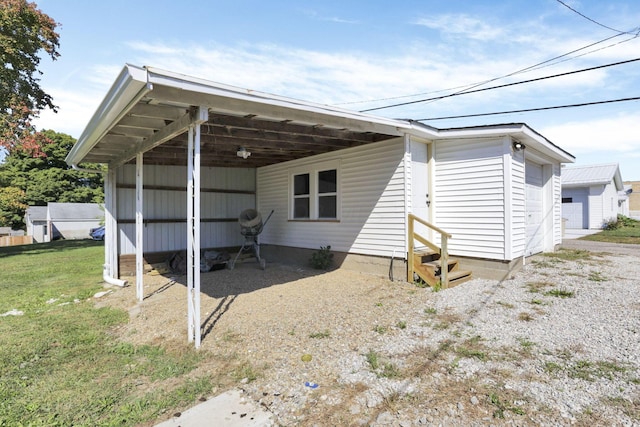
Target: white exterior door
<point>575,204</point>
<point>420,197</point>
<point>535,204</point>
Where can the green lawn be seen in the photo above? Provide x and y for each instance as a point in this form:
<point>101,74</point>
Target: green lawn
<point>60,364</point>
<point>626,231</point>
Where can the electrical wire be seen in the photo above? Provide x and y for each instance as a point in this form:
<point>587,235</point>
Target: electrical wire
<point>531,109</point>
<point>540,65</point>
<point>517,83</point>
<point>589,19</point>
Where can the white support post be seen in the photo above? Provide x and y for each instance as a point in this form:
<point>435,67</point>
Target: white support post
<point>190,241</point>
<point>110,234</point>
<point>193,226</point>
<point>139,229</point>
<point>193,235</point>
<point>196,234</point>
<point>108,225</point>
<point>115,248</point>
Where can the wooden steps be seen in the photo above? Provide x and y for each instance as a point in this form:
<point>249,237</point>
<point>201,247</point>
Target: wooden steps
<point>428,266</point>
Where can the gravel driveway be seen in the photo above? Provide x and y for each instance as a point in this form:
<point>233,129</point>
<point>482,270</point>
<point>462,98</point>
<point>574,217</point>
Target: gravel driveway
<point>557,344</point>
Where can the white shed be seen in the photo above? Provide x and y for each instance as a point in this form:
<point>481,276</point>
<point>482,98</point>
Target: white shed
<point>35,219</point>
<point>185,156</point>
<point>62,220</point>
<point>590,195</point>
<point>72,220</point>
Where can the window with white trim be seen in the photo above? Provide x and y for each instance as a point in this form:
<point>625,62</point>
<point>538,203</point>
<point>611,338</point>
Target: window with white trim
<point>301,196</point>
<point>314,193</point>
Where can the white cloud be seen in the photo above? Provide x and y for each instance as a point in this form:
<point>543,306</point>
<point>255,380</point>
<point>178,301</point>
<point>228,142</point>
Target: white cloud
<point>462,25</point>
<point>76,109</point>
<point>618,134</point>
<point>338,20</point>
<point>607,140</point>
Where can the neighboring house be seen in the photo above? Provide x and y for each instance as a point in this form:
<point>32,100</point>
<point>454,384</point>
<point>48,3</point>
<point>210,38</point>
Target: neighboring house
<point>624,197</point>
<point>185,156</point>
<point>63,221</point>
<point>36,220</point>
<point>634,198</point>
<point>590,195</point>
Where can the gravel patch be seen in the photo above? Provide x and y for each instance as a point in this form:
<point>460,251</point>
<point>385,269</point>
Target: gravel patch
<point>556,344</point>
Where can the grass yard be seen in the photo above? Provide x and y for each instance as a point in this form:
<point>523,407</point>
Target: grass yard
<point>60,362</point>
<point>625,230</point>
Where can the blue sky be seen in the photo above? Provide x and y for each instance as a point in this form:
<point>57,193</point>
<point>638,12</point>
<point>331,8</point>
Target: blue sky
<point>367,54</point>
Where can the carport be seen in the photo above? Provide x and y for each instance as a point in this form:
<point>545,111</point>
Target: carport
<point>155,117</point>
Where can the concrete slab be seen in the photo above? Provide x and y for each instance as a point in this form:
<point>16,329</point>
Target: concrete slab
<point>614,248</point>
<point>229,409</point>
<point>575,233</point>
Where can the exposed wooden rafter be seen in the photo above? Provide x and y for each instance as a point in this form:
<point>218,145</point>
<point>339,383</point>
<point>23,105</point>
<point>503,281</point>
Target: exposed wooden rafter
<point>159,130</point>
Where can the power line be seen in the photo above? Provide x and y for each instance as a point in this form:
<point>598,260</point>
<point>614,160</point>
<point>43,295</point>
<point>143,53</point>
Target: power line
<point>556,107</point>
<point>513,84</point>
<point>523,70</point>
<point>532,67</point>
<point>589,19</point>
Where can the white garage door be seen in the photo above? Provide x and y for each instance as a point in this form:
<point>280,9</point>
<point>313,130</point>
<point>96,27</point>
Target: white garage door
<point>535,201</point>
<point>574,208</point>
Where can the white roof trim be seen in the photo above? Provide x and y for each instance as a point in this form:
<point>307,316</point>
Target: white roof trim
<point>130,86</point>
<point>133,83</point>
<point>194,84</point>
<point>519,131</point>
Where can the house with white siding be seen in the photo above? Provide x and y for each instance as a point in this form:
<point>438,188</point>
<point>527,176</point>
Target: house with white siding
<point>592,195</point>
<point>185,156</point>
<point>35,219</point>
<point>62,221</point>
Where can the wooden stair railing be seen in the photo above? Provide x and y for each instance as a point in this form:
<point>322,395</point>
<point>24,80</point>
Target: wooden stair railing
<point>434,266</point>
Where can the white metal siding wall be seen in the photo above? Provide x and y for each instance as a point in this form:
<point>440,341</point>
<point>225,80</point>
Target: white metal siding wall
<point>518,206</point>
<point>469,196</point>
<point>557,204</point>
<point>623,207</point>
<point>609,203</point>
<point>596,199</point>
<point>372,199</point>
<point>172,205</point>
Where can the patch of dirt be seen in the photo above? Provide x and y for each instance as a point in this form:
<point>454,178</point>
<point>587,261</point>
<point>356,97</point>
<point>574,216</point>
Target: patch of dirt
<point>387,353</point>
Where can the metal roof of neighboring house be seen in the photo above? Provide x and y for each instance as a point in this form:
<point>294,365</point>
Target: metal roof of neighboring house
<point>579,176</point>
<point>36,213</point>
<point>75,211</point>
<point>149,111</point>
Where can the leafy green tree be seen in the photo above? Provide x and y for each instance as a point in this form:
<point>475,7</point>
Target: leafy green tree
<point>25,32</point>
<point>49,178</point>
<point>11,207</point>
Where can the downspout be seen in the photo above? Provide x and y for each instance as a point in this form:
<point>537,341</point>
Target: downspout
<point>112,280</point>
<point>105,267</point>
<point>126,81</point>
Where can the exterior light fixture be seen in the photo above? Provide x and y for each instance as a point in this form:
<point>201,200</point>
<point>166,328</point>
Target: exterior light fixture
<point>518,146</point>
<point>242,152</point>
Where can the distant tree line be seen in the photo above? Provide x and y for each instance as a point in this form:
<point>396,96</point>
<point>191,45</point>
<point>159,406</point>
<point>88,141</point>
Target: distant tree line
<point>26,180</point>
